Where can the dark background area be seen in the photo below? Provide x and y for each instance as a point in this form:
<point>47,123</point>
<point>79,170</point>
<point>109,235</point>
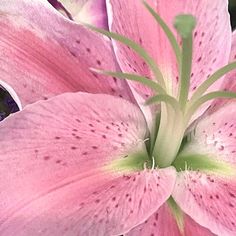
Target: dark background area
<point>7,105</point>
<point>232,9</point>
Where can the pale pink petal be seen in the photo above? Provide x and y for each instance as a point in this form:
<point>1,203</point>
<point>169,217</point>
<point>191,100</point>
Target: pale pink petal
<point>215,135</point>
<point>43,54</point>
<point>88,11</point>
<point>229,82</point>
<point>163,222</point>
<point>209,199</point>
<point>212,38</point>
<point>194,229</point>
<point>102,204</point>
<point>160,223</point>
<point>56,168</point>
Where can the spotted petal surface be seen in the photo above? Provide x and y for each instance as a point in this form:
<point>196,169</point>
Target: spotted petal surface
<point>43,54</point>
<point>57,176</point>
<point>209,195</point>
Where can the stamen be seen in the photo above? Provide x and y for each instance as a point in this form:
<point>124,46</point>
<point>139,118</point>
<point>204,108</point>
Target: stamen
<point>153,163</point>
<point>137,48</point>
<point>166,99</point>
<point>140,141</point>
<point>185,25</point>
<point>146,140</point>
<point>141,79</point>
<point>194,106</point>
<point>167,31</point>
<point>145,165</point>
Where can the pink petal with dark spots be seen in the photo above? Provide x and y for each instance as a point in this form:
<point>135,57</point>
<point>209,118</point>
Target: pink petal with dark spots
<point>160,223</point>
<point>43,54</point>
<point>163,222</point>
<point>209,199</point>
<point>194,229</point>
<point>215,135</point>
<point>55,178</point>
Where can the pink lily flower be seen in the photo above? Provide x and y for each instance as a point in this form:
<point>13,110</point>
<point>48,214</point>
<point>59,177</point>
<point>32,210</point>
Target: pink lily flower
<point>95,162</point>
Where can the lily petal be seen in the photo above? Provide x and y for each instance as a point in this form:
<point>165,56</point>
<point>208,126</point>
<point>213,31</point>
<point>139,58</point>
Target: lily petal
<point>163,222</point>
<point>229,82</point>
<point>209,199</point>
<point>192,228</point>
<point>56,176</point>
<point>212,38</point>
<point>208,195</point>
<point>88,11</point>
<point>214,135</point>
<point>43,54</point>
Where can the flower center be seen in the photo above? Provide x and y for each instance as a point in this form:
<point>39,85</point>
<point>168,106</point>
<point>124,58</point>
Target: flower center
<point>176,112</point>
<point>173,117</point>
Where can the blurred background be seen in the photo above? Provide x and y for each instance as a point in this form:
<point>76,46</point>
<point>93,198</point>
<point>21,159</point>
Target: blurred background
<point>232,9</point>
<point>8,106</point>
